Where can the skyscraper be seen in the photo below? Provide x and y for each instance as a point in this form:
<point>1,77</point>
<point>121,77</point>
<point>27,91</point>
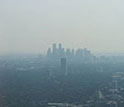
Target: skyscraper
<point>60,46</point>
<point>63,66</point>
<point>54,49</point>
<point>49,52</point>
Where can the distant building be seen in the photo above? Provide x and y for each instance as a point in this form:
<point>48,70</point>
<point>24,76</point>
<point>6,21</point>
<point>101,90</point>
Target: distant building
<point>79,55</point>
<point>54,49</point>
<point>68,53</point>
<point>63,66</point>
<point>60,46</point>
<point>49,52</point>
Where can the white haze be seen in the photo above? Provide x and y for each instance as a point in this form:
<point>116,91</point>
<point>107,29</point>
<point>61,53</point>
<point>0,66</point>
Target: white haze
<point>31,26</point>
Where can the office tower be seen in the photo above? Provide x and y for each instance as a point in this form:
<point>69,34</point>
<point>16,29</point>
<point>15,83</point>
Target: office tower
<point>63,66</point>
<point>60,50</point>
<point>60,46</point>
<point>54,49</point>
<point>87,52</point>
<point>49,52</point>
<point>79,52</point>
<point>68,53</point>
<point>67,50</point>
<point>63,52</point>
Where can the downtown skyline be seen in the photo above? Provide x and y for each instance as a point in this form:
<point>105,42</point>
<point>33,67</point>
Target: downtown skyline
<point>31,26</point>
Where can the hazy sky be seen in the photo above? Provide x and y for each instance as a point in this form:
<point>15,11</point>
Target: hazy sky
<point>33,25</point>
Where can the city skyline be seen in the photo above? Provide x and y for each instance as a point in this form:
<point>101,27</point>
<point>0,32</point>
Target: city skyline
<point>61,53</point>
<point>58,51</point>
<point>31,26</point>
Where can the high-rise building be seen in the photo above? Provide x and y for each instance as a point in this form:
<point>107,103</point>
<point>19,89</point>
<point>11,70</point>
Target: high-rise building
<point>49,52</point>
<point>68,53</point>
<point>58,52</point>
<point>54,49</point>
<point>79,52</point>
<point>63,66</point>
<point>60,46</point>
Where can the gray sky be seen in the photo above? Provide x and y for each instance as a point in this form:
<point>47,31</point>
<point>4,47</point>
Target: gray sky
<point>33,25</point>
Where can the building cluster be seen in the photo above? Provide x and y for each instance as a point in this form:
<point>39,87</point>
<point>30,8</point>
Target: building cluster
<point>111,95</point>
<point>60,52</point>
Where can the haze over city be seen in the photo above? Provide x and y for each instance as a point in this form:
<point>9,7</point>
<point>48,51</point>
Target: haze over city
<point>28,26</point>
<point>61,53</point>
